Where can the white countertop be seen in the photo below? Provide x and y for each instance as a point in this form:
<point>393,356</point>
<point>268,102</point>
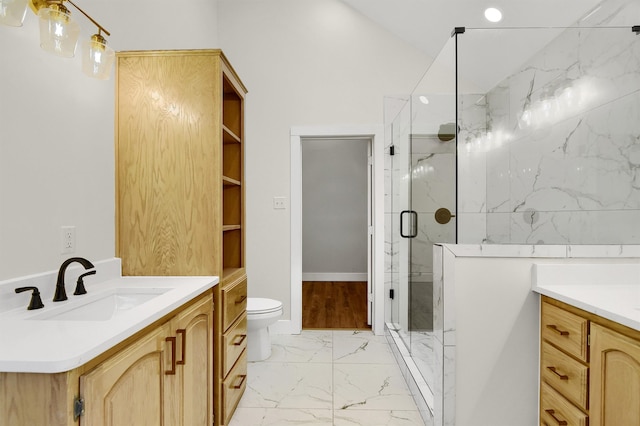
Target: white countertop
<point>53,346</point>
<point>611,291</point>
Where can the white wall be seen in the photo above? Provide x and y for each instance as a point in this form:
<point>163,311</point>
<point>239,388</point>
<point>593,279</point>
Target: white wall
<point>311,62</point>
<point>334,209</point>
<point>57,130</point>
<point>304,62</point>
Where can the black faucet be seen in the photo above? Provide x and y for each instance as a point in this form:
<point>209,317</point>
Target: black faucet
<point>36,301</point>
<point>61,294</point>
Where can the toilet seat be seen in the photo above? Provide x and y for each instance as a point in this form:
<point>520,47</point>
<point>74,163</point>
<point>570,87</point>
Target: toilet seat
<point>258,305</point>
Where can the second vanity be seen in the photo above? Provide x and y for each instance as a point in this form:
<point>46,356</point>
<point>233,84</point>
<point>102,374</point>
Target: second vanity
<point>590,344</point>
<point>134,350</point>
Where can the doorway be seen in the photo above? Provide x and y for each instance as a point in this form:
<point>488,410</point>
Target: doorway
<point>375,216</point>
<point>335,232</point>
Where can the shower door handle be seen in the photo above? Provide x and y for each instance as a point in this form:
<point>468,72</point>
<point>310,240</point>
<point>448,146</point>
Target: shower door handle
<point>413,228</point>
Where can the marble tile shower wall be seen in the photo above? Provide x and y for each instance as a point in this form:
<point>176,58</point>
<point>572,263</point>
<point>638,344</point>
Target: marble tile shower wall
<point>562,147</point>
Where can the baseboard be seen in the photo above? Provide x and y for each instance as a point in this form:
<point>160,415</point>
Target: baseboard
<point>334,276</point>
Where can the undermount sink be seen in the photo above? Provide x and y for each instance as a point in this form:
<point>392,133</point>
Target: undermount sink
<point>103,306</point>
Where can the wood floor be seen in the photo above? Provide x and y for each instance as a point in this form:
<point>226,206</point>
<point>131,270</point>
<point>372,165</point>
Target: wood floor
<point>333,304</point>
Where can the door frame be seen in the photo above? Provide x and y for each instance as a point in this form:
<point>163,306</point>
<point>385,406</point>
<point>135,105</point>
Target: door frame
<point>376,134</point>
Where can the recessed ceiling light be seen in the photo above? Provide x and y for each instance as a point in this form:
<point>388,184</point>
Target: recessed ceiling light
<point>493,14</point>
<point>424,100</point>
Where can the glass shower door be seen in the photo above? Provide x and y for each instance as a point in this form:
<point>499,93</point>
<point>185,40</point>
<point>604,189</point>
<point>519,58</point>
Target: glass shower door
<point>401,221</point>
<point>432,190</point>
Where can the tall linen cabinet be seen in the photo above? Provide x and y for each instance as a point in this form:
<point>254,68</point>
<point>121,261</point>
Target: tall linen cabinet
<point>180,189</point>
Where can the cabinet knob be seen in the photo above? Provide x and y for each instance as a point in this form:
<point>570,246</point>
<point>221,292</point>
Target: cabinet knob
<point>172,370</point>
<point>555,328</point>
<point>241,339</point>
<point>242,378</point>
<point>560,376</point>
<point>182,332</point>
<point>557,420</point>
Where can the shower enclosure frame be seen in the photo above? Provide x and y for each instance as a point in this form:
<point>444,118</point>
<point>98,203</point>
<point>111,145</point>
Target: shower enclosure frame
<point>489,210</point>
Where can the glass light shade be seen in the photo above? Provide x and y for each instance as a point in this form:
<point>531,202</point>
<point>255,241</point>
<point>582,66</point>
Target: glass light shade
<point>12,12</point>
<point>58,32</point>
<point>97,58</point>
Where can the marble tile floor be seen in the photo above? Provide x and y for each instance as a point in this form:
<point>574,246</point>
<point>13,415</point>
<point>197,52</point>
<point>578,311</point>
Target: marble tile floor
<point>327,377</point>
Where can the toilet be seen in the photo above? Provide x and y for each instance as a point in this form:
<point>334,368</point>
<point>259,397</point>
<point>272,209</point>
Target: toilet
<point>261,313</point>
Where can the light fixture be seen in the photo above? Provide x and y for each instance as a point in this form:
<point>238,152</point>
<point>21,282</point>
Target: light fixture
<point>12,12</point>
<point>493,14</point>
<point>97,57</point>
<point>59,33</point>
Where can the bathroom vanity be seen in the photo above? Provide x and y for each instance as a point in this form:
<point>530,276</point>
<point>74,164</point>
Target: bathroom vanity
<point>486,339</point>
<point>590,344</point>
<point>134,350</point>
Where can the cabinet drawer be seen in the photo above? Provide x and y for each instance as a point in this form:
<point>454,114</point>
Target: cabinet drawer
<point>233,387</point>
<point>234,342</point>
<point>565,330</point>
<point>554,409</point>
<point>565,374</point>
<point>234,301</point>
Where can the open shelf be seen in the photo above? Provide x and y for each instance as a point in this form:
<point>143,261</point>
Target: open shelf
<point>229,136</point>
<point>232,180</point>
<point>227,181</point>
<point>232,249</point>
<point>231,109</point>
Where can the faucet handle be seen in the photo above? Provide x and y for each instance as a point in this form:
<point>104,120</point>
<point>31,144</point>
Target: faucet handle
<point>36,301</point>
<point>80,283</point>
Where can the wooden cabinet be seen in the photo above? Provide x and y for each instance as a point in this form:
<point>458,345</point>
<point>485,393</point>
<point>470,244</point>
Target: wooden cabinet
<point>179,163</point>
<point>589,369</point>
<point>232,351</point>
<point>615,377</point>
<point>564,357</point>
<point>163,378</point>
<point>180,181</point>
<point>160,375</point>
<point>129,387</point>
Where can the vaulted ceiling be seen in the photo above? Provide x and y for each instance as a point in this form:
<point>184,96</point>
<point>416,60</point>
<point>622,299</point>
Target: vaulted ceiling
<point>427,24</point>
<point>488,56</point>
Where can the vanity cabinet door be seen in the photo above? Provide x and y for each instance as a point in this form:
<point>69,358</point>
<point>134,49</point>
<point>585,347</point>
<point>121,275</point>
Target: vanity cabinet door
<point>163,378</point>
<point>193,396</point>
<point>128,388</point>
<point>615,378</point>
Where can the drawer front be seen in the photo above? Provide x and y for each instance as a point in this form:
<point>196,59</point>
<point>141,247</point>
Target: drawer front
<point>554,409</point>
<point>234,342</point>
<point>234,301</point>
<point>565,330</point>
<point>233,388</point>
<point>565,374</point>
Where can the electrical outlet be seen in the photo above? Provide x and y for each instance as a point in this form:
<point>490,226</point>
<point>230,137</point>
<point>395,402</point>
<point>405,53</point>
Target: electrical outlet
<point>68,235</point>
<point>279,203</point>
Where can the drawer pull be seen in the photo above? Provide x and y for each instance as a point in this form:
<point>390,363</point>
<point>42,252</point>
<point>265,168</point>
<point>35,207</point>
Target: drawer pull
<point>560,422</point>
<point>242,337</point>
<point>560,376</point>
<point>183,333</point>
<point>557,330</point>
<point>241,299</point>
<point>243,377</point>
<point>171,371</point>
